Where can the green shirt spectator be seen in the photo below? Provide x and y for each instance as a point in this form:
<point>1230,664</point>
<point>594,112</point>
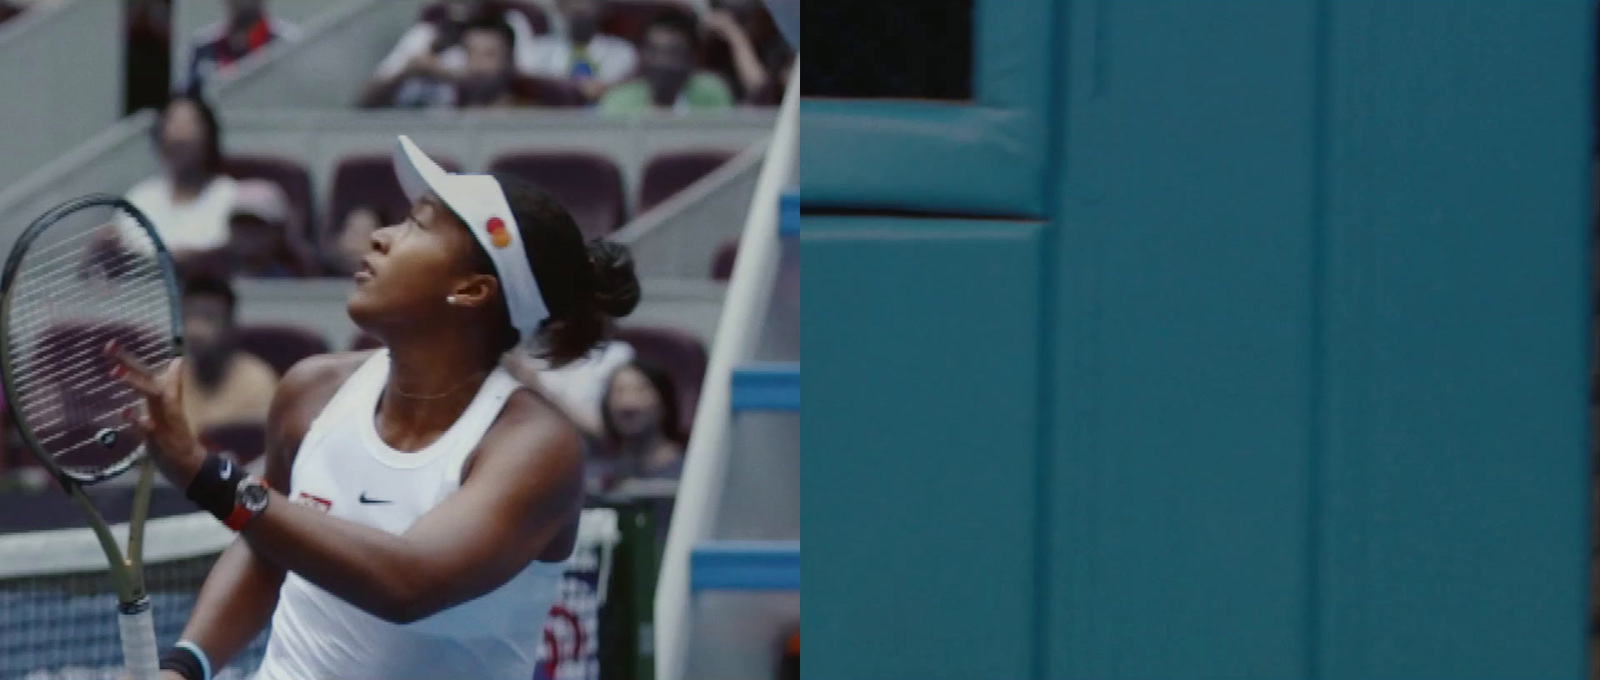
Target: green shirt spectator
<point>703,91</point>
<point>667,78</point>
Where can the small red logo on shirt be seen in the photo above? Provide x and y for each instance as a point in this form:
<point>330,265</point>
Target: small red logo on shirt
<point>313,502</point>
<point>497,232</point>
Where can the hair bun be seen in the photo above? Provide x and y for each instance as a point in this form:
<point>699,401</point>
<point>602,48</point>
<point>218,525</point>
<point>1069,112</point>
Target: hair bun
<point>616,287</point>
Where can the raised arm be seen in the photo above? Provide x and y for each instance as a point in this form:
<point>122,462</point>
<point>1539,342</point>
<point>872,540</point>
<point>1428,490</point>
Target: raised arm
<point>520,498</point>
<point>241,591</point>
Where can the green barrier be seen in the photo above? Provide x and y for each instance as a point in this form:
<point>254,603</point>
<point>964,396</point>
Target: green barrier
<point>627,634</point>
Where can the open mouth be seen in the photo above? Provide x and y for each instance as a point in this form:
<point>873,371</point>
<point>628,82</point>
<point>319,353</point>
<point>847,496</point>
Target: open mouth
<point>364,273</point>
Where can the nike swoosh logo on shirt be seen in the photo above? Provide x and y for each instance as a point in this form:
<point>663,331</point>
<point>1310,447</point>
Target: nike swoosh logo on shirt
<point>371,501</point>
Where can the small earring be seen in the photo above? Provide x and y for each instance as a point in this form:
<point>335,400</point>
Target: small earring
<point>450,299</point>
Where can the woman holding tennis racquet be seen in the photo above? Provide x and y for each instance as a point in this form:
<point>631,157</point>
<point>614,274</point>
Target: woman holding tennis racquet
<point>418,504</point>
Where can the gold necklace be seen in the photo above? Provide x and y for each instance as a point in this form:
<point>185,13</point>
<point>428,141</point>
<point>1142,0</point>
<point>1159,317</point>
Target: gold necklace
<point>441,395</point>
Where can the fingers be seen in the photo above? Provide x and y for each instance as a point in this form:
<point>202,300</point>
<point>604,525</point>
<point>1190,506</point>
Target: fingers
<point>131,371</point>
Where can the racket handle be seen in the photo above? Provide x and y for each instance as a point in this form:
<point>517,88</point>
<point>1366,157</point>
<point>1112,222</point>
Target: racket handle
<point>138,640</point>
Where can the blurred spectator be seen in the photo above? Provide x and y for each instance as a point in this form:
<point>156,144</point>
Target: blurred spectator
<point>746,49</point>
<point>485,81</point>
<point>189,202</point>
<point>147,69</point>
<point>577,388</point>
<point>222,385</point>
<point>220,46</point>
<point>591,60</point>
<point>667,78</point>
<point>422,69</point>
<point>261,241</point>
<point>354,239</point>
<point>641,425</point>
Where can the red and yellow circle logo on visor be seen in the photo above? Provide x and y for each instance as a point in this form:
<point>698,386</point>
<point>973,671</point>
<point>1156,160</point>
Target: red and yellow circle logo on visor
<point>497,232</point>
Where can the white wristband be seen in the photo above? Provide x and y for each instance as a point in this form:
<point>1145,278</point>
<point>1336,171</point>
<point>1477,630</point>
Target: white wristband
<point>205,662</point>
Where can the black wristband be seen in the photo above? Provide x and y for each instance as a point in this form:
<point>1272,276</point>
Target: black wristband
<point>215,487</point>
<point>184,663</point>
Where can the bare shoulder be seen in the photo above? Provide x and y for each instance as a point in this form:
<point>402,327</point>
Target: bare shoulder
<point>307,387</point>
<point>531,434</point>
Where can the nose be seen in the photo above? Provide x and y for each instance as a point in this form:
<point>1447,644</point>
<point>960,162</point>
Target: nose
<point>381,238</point>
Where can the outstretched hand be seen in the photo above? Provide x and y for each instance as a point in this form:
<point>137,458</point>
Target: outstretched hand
<point>168,437</point>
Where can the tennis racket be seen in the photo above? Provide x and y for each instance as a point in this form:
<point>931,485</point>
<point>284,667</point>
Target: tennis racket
<point>89,272</point>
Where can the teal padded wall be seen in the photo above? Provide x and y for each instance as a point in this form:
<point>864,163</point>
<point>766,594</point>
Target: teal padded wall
<point>920,520</point>
<point>1303,392</point>
<point>1453,241</point>
<point>1182,318</point>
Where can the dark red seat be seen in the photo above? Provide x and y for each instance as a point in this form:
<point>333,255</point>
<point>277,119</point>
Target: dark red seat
<point>722,262</point>
<point>368,179</point>
<point>669,173</point>
<point>627,18</point>
<point>589,186</point>
<point>536,16</point>
<point>243,441</point>
<point>280,346</point>
<point>546,92</point>
<point>290,176</point>
<point>680,354</point>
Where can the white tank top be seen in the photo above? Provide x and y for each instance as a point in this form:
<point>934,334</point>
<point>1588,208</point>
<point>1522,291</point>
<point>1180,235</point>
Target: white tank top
<point>345,469</point>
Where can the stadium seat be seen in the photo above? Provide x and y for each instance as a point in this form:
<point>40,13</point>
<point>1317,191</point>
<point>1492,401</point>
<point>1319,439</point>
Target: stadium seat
<point>368,179</point>
<point>589,186</point>
<point>722,262</point>
<point>681,355</point>
<point>669,173</point>
<point>627,18</point>
<point>536,16</point>
<point>547,92</point>
<point>280,346</point>
<point>244,441</point>
<point>289,176</point>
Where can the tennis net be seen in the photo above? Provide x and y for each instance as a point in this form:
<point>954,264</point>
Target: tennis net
<point>57,602</point>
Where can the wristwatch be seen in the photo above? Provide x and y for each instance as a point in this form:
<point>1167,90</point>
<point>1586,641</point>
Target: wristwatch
<point>250,499</point>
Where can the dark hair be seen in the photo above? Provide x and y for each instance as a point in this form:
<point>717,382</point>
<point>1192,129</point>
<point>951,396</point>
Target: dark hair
<point>203,281</point>
<point>678,22</point>
<point>671,427</point>
<point>495,24</point>
<point>208,116</point>
<point>585,286</point>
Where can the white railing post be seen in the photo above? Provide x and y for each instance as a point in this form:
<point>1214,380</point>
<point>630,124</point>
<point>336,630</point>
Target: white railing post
<point>738,331</point>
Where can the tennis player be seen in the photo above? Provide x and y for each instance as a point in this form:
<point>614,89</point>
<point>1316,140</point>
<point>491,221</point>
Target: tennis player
<point>417,503</point>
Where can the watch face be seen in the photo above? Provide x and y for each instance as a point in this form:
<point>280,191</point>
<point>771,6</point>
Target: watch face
<point>253,496</point>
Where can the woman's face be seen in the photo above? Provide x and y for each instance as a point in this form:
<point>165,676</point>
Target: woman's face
<point>183,138</point>
<point>410,267</point>
<point>634,404</point>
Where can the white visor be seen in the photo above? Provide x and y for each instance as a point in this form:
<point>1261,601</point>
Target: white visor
<point>481,204</point>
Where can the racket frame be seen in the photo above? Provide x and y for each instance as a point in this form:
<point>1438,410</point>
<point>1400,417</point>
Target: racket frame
<point>127,569</point>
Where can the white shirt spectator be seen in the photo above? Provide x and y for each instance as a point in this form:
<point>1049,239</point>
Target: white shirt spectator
<point>196,225</point>
<point>614,59</point>
<point>579,387</point>
<point>419,40</point>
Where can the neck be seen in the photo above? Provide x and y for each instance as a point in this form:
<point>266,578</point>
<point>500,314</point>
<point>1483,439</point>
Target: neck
<point>186,188</point>
<point>648,451</point>
<point>432,379</point>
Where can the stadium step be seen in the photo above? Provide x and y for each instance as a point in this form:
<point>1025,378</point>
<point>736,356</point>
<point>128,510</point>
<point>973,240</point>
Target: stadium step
<point>789,214</point>
<point>766,387</point>
<point>745,565</point>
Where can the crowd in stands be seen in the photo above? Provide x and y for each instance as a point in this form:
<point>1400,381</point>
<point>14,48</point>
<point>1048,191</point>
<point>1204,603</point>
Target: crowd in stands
<point>231,217</point>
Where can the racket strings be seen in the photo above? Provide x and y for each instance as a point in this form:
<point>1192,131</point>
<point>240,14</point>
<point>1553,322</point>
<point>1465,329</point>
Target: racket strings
<point>76,289</point>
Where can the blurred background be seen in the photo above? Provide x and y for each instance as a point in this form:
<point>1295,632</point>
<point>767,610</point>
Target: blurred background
<point>256,135</point>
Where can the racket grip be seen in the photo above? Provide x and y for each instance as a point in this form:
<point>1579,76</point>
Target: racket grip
<point>138,640</point>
